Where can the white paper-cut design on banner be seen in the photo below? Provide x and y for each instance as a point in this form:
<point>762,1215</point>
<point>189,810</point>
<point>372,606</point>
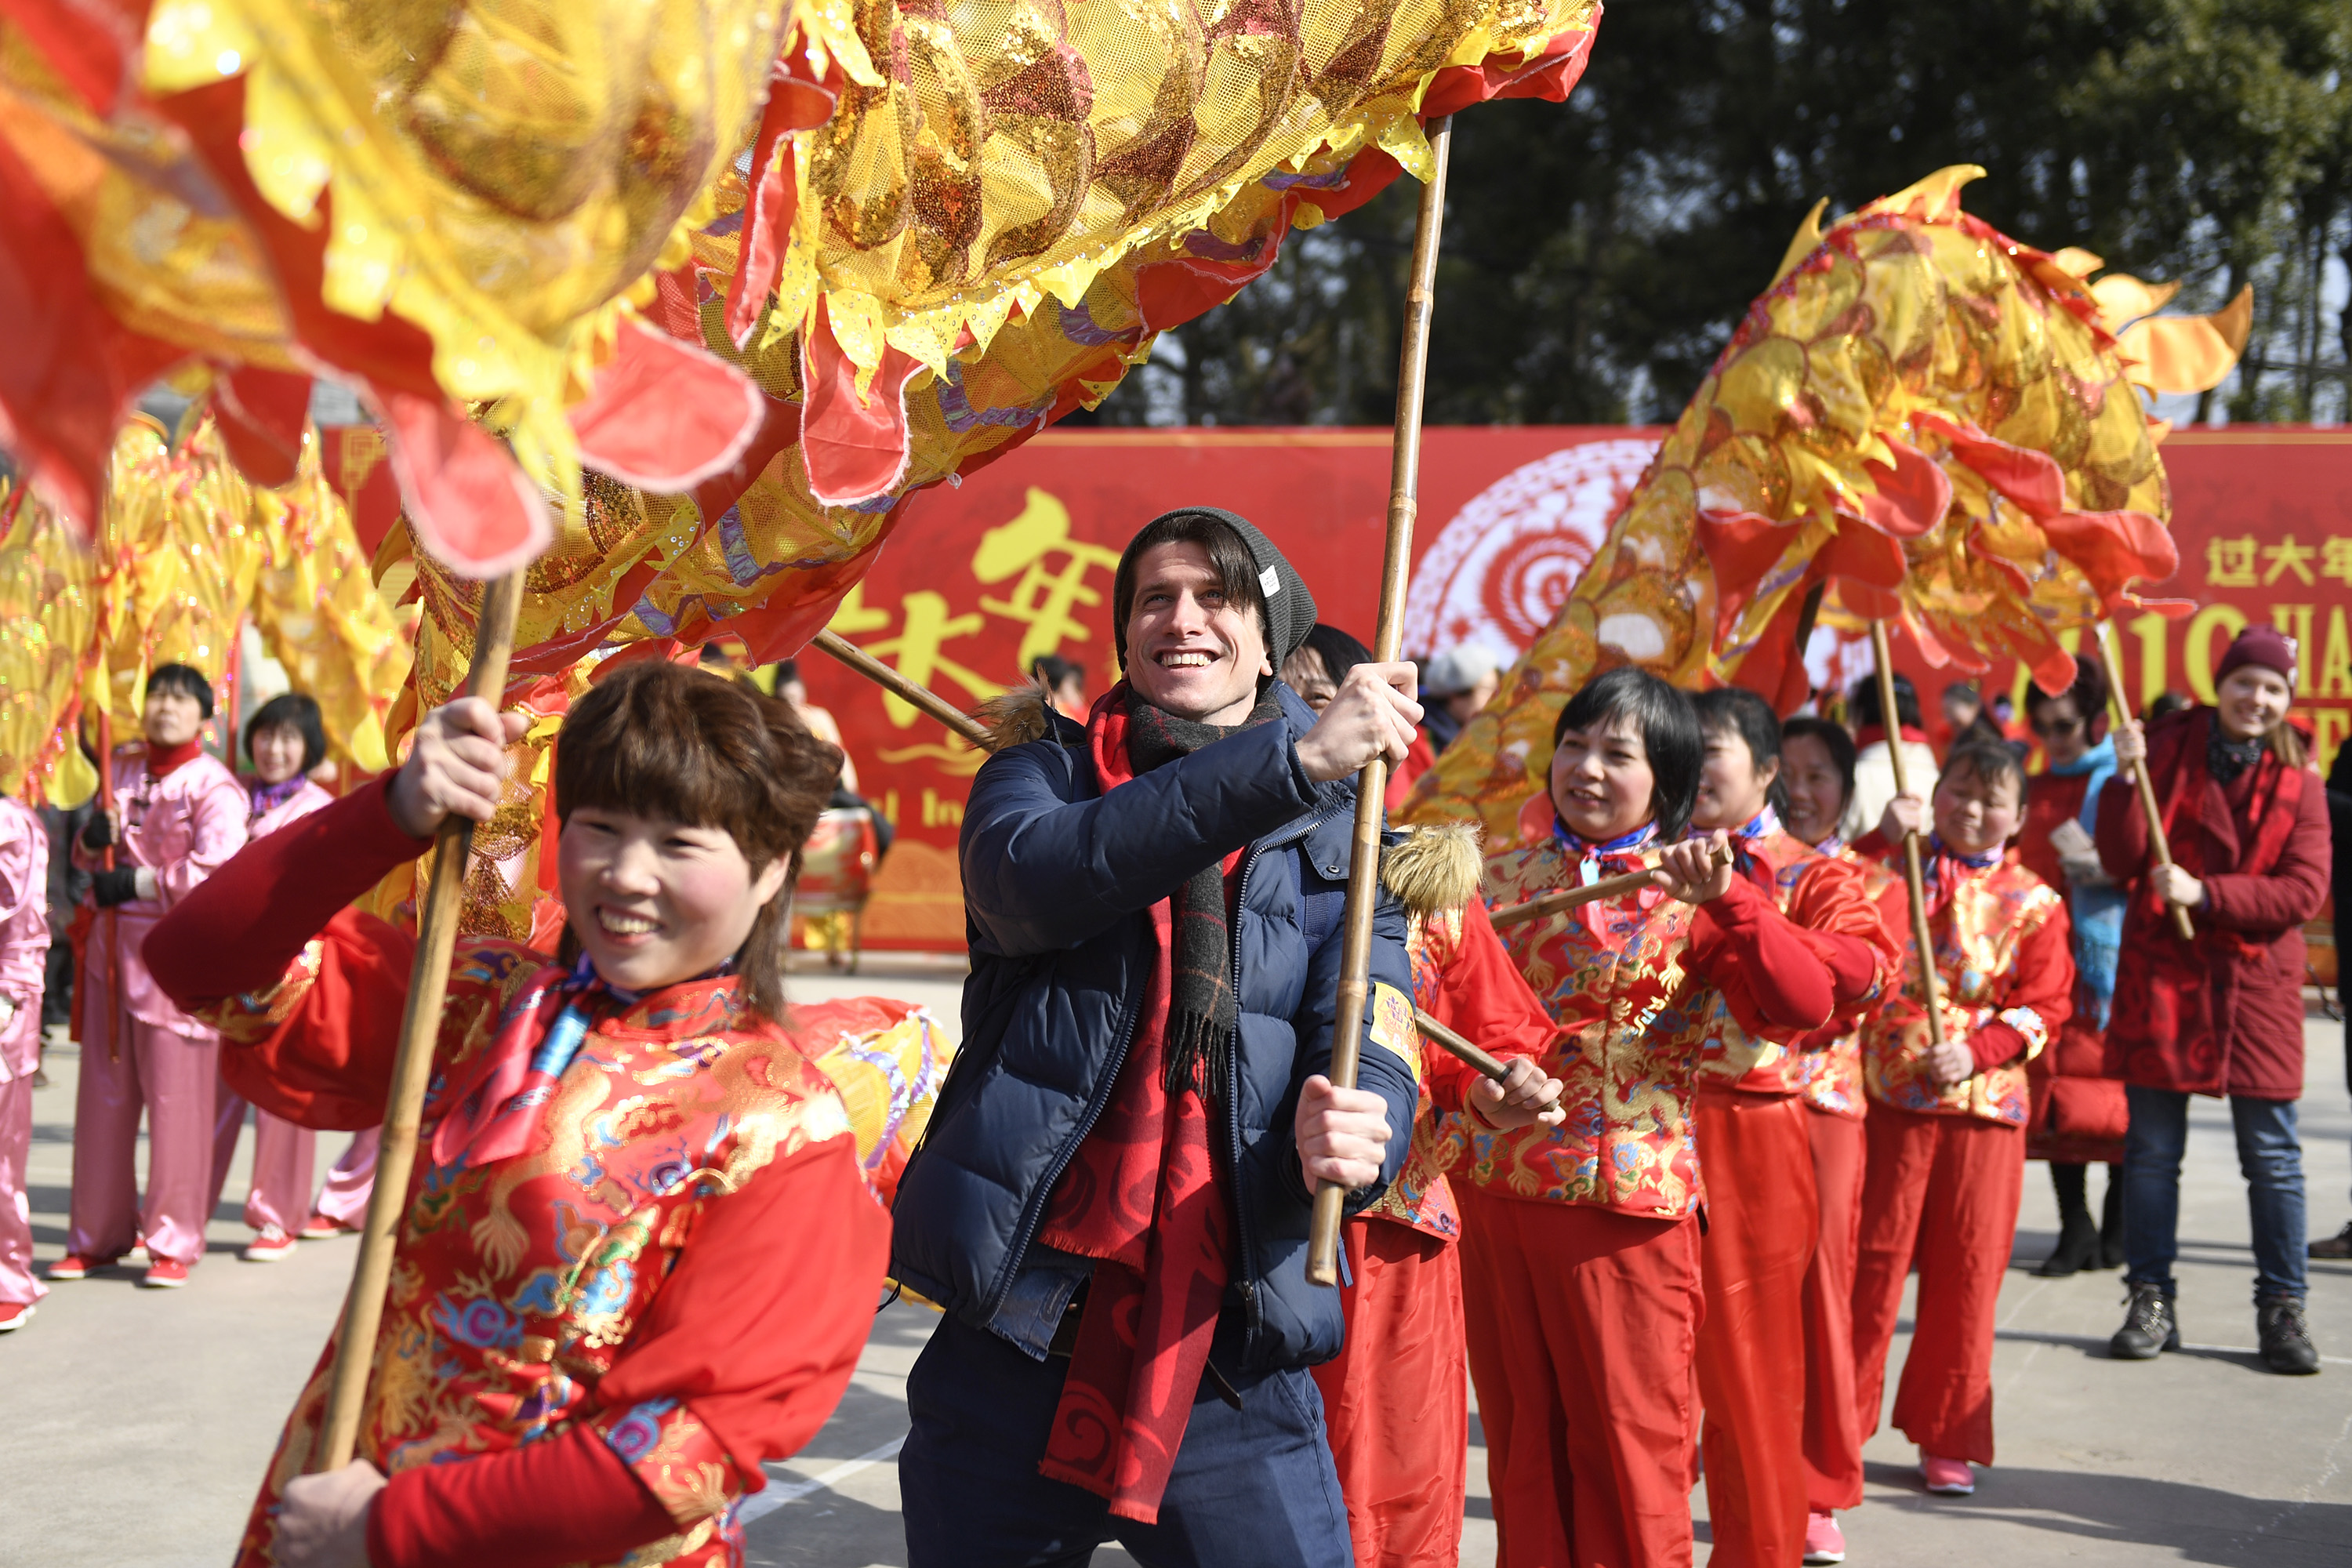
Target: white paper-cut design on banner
<point>1500,570</point>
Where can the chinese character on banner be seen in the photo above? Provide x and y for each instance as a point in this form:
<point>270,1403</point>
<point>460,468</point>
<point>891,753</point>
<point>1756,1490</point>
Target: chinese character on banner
<point>2336,558</point>
<point>2286,555</point>
<point>1053,568</point>
<point>924,628</point>
<point>2230,562</point>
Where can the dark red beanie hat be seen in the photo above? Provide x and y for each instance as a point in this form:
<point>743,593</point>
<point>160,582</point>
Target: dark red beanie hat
<point>2266,646</point>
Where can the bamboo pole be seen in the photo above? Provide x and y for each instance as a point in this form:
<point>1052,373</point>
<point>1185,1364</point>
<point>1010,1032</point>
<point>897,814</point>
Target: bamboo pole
<point>2157,844</point>
<point>1371,784</point>
<point>1921,936</point>
<point>1565,899</point>
<point>420,1024</point>
<point>1493,1069</point>
<point>898,685</point>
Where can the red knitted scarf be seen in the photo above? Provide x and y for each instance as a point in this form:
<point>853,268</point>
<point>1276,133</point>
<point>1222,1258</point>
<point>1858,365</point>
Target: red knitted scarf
<point>1142,1198</point>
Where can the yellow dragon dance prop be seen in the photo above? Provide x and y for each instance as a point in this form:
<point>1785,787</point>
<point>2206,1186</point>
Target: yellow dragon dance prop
<point>468,213</point>
<point>1922,421</point>
<point>187,548</point>
<point>728,279</point>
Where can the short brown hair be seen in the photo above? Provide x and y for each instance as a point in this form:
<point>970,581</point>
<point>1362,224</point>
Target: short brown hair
<point>657,738</point>
<point>1229,558</point>
<point>1990,763</point>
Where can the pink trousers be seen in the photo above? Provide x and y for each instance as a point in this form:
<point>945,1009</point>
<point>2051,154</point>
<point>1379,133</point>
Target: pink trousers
<point>284,1158</point>
<point>171,1078</point>
<point>344,1197</point>
<point>18,1286</point>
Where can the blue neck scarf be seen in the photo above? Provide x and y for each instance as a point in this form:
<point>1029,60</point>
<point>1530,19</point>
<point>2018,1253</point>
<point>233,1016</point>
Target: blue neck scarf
<point>1594,859</point>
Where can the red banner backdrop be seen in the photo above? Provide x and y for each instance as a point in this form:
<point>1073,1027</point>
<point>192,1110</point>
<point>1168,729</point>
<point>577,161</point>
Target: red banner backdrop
<point>1018,561</point>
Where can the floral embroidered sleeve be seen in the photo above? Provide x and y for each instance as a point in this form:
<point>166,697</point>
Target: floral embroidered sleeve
<point>744,1354</point>
<point>1838,919</point>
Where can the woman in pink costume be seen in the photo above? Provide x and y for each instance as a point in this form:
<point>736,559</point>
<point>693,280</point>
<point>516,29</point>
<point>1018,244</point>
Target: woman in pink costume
<point>286,740</point>
<point>175,816</point>
<point>24,953</point>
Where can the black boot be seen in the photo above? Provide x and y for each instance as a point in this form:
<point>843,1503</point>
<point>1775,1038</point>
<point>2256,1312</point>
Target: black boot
<point>2285,1337</point>
<point>2111,1221</point>
<point>2078,1240</point>
<point>2148,1326</point>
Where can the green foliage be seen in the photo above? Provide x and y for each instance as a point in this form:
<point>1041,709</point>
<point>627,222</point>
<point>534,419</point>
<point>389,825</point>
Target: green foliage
<point>1598,253</point>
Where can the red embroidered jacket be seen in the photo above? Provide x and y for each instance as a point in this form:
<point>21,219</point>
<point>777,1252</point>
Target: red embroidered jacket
<point>609,1328</point>
<point>2005,977</point>
<point>1463,978</point>
<point>1631,984</point>
<point>1828,1064</point>
<point>1829,901</point>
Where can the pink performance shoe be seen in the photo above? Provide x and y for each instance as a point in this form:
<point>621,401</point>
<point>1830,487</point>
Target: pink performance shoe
<point>1946,1478</point>
<point>1824,1541</point>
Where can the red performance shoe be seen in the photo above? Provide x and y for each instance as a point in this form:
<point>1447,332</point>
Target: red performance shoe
<point>74,1266</point>
<point>14,1315</point>
<point>164,1275</point>
<point>319,1228</point>
<point>269,1246</point>
<point>1946,1478</point>
<point>1824,1541</point>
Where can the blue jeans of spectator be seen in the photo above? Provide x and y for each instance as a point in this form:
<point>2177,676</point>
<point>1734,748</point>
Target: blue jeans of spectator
<point>2268,1153</point>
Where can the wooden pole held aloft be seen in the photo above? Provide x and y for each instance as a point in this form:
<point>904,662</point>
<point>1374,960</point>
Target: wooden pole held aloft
<point>411,1070</point>
<point>1371,784</point>
<point>898,685</point>
<point>2157,845</point>
<point>1921,936</point>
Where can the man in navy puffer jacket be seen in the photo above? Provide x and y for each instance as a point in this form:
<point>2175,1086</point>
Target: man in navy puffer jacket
<point>1165,883</point>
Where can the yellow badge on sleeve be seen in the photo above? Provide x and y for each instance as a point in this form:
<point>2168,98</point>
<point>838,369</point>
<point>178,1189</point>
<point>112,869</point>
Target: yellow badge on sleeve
<point>1392,1029</point>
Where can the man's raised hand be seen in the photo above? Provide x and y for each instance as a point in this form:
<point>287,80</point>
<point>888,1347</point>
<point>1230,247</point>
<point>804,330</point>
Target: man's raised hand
<point>1373,715</point>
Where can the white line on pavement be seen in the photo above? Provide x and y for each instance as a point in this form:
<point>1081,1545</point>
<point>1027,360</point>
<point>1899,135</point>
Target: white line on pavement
<point>761,1504</point>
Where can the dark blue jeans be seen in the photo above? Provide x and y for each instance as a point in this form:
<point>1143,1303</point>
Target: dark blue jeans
<point>1252,1487</point>
<point>2269,1154</point>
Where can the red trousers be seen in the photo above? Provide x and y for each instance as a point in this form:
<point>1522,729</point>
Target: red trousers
<point>1944,1189</point>
<point>1762,1222</point>
<point>1832,1439</point>
<point>1583,1326</point>
<point>1396,1399</point>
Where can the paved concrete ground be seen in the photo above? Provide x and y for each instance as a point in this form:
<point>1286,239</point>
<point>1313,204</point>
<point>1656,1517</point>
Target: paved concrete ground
<point>135,1424</point>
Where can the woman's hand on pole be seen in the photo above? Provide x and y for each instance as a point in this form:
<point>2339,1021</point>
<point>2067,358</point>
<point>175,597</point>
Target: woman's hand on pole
<point>1905,814</point>
<point>2131,743</point>
<point>1371,715</point>
<point>1951,1063</point>
<point>1342,1132</point>
<point>2177,886</point>
<point>458,766</point>
<point>322,1521</point>
<point>1696,869</point>
<point>1525,1098</point>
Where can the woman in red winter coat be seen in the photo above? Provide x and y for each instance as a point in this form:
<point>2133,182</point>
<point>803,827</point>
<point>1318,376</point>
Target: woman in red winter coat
<point>2247,822</point>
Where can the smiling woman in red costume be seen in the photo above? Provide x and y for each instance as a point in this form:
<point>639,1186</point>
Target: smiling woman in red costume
<point>1581,1247</point>
<point>639,1258</point>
